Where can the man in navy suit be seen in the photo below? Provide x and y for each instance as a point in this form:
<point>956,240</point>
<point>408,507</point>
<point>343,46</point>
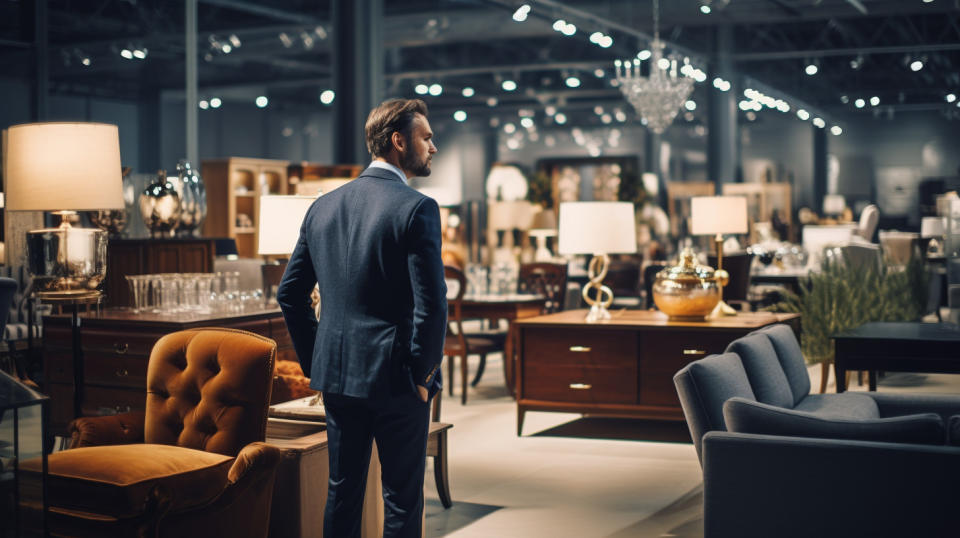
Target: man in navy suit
<point>373,247</point>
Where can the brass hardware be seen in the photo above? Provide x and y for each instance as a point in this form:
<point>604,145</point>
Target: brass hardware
<point>580,349</point>
<point>121,347</point>
<point>580,386</point>
<point>694,352</point>
<point>122,372</point>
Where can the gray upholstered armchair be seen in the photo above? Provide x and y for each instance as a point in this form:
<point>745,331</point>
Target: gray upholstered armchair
<point>779,461</point>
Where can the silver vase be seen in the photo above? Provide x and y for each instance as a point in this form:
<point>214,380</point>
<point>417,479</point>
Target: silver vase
<point>160,207</point>
<point>193,199</point>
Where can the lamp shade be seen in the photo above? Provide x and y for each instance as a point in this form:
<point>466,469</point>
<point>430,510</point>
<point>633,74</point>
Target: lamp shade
<point>63,166</point>
<point>506,182</point>
<point>711,215</point>
<point>280,221</point>
<point>597,228</point>
<point>834,204</point>
<point>932,227</point>
<point>510,215</point>
<point>545,219</point>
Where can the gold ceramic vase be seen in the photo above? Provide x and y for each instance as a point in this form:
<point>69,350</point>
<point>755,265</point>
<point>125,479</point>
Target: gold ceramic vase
<point>688,291</point>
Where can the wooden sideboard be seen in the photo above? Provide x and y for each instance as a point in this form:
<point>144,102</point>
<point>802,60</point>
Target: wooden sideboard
<point>147,256</point>
<point>115,346</point>
<point>620,368</point>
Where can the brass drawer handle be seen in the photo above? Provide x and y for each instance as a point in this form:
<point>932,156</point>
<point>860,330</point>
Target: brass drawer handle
<point>694,352</point>
<point>580,349</point>
<point>580,386</point>
<point>122,372</point>
<point>122,408</point>
<point>121,348</point>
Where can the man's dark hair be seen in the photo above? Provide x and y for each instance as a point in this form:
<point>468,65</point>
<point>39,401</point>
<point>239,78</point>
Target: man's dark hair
<point>393,115</point>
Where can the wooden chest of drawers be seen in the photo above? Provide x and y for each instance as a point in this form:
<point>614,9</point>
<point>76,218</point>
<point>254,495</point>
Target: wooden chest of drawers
<point>624,367</point>
<point>115,348</point>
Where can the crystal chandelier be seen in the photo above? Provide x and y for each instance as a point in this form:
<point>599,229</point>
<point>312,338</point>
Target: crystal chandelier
<point>658,97</point>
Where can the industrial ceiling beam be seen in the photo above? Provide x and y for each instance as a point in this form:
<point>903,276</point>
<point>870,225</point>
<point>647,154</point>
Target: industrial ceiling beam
<point>853,51</point>
<point>273,13</point>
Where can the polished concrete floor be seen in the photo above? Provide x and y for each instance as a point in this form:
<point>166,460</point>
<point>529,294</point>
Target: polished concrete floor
<point>569,476</point>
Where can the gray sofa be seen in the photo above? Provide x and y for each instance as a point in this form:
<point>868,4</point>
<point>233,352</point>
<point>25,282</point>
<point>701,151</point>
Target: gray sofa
<point>779,461</point>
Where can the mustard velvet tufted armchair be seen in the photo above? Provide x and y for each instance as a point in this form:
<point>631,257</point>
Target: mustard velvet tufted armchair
<point>193,464</point>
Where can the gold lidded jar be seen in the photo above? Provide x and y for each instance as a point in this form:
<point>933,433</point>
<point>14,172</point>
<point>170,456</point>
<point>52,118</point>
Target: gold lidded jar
<point>688,291</point>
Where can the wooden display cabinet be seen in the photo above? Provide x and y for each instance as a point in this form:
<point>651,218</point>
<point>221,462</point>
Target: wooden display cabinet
<point>311,178</point>
<point>234,186</point>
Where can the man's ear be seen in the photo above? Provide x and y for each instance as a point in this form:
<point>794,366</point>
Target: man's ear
<point>398,141</point>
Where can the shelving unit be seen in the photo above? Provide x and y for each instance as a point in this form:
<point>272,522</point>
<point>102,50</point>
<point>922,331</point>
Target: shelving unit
<point>234,186</point>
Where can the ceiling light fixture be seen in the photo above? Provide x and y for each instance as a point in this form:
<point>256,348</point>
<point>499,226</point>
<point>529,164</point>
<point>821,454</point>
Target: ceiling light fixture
<point>916,65</point>
<point>836,130</point>
<point>215,102</point>
<point>327,96</point>
<point>261,101</point>
<point>874,101</point>
<point>560,118</point>
<point>950,97</point>
<point>819,122</point>
<point>521,13</point>
<point>803,114</point>
<point>859,103</point>
<point>421,89</point>
<point>508,85</point>
<point>460,116</point>
<point>435,90</point>
<point>467,92</point>
<point>811,68</point>
<point>573,82</point>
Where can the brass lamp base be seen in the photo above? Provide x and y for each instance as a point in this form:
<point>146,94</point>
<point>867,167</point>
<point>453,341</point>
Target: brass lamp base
<point>722,308</point>
<point>603,298</point>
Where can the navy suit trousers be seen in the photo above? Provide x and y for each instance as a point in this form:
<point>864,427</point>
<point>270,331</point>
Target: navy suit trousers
<point>400,426</point>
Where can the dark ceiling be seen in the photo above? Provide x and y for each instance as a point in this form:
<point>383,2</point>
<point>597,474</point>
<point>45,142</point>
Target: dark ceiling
<point>863,48</point>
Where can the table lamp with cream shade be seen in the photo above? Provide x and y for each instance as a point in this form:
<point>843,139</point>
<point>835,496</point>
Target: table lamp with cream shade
<point>506,217</point>
<point>544,225</point>
<point>601,229</point>
<point>932,230</point>
<point>716,216</point>
<point>64,168</point>
<point>280,219</point>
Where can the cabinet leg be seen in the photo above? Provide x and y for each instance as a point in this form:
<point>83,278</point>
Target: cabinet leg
<point>520,413</point>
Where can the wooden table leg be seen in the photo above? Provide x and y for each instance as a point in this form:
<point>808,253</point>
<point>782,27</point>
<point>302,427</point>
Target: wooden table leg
<point>509,364</point>
<point>841,374</point>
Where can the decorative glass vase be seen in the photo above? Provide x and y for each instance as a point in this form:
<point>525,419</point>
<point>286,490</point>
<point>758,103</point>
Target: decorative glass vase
<point>193,199</point>
<point>160,207</point>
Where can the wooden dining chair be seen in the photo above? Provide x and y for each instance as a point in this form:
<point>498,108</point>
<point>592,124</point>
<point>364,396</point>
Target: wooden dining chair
<point>547,279</point>
<point>457,343</point>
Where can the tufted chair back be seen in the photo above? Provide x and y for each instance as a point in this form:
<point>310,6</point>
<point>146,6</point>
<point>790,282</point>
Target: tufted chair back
<point>209,389</point>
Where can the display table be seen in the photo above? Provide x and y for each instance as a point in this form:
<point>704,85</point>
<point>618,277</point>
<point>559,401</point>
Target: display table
<point>620,368</point>
<point>897,347</point>
<point>114,348</point>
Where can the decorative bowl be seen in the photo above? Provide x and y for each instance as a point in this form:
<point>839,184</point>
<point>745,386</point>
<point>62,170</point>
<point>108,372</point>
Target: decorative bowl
<point>688,291</point>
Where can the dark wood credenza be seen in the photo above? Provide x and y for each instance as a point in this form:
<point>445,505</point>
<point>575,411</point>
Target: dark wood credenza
<point>148,256</point>
<point>115,347</point>
<point>621,368</point>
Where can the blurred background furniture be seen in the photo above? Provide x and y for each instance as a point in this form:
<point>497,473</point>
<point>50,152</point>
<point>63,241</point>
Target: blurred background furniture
<point>457,343</point>
<point>738,267</point>
<point>23,418</point>
<point>649,277</point>
<point>234,186</point>
<point>546,279</point>
<point>867,225</point>
<point>192,464</point>
<point>314,178</point>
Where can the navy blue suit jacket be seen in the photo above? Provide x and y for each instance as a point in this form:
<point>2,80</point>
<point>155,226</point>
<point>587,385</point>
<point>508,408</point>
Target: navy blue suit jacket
<point>373,246</point>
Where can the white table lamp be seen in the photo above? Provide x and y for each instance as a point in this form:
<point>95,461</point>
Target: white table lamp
<point>601,229</point>
<point>544,225</point>
<point>506,182</point>
<point>64,167</point>
<point>279,223</point>
<point>834,204</point>
<point>716,216</point>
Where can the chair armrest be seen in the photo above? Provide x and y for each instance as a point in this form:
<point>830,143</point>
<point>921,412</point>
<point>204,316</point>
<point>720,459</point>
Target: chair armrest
<point>763,485</point>
<point>891,404</point>
<point>122,429</point>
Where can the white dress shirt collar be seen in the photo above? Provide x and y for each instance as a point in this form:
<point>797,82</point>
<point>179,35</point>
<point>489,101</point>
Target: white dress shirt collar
<point>387,166</point>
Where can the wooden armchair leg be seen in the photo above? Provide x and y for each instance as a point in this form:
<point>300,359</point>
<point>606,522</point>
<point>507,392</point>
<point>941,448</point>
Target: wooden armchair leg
<point>824,376</point>
<point>440,470</point>
<point>463,379</point>
<point>480,368</point>
<point>450,361</point>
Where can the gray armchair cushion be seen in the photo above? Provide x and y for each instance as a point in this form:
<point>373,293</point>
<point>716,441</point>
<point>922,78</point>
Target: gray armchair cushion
<point>791,359</point>
<point>846,405</point>
<point>704,385</point>
<point>746,416</point>
<point>766,376</point>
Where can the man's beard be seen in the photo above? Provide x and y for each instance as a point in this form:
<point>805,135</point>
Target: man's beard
<point>411,163</point>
